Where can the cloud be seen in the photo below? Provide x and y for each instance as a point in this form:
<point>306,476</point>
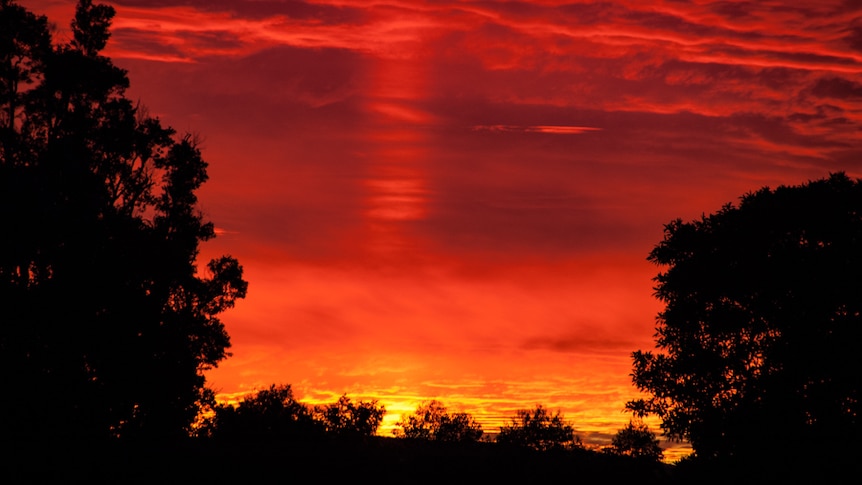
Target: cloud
<point>298,9</point>
<point>838,88</point>
<point>591,339</point>
<point>552,129</point>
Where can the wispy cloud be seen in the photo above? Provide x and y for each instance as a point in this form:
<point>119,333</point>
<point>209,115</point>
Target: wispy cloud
<point>552,129</point>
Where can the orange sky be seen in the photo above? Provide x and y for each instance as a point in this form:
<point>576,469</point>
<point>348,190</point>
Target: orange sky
<point>454,199</point>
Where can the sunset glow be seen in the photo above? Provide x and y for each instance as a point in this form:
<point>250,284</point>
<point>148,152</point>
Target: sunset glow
<point>454,200</point>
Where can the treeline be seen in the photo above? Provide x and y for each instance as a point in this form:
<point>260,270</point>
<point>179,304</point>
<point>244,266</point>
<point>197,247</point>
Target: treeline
<point>275,414</point>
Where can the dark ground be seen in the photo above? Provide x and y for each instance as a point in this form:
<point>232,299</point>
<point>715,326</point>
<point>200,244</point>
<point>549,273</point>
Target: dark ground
<point>375,460</point>
<point>388,461</point>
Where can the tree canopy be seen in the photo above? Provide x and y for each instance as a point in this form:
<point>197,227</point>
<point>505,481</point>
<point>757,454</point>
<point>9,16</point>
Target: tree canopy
<point>432,421</point>
<point>267,413</point>
<point>348,419</point>
<point>274,413</point>
<point>108,323</point>
<point>759,338</point>
<point>539,429</point>
<point>635,440</point>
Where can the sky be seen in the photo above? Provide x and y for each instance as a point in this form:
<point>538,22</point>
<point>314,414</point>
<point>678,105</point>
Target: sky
<point>455,199</point>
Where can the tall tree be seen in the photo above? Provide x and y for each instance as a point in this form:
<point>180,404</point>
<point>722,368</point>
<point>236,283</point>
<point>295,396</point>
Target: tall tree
<point>107,323</point>
<point>758,344</point>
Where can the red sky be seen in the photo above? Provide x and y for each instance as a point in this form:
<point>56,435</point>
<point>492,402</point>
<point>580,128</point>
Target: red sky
<point>454,199</point>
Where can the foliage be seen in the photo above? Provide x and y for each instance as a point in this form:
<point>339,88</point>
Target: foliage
<point>275,413</point>
<point>344,418</point>
<point>540,430</point>
<point>759,339</point>
<point>268,413</point>
<point>107,322</point>
<point>635,440</point>
<point>432,421</point>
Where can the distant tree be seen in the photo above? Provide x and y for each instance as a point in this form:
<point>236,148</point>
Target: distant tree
<point>268,413</point>
<point>108,323</point>
<point>432,421</point>
<point>458,427</point>
<point>540,430</point>
<point>344,418</point>
<point>636,440</point>
<point>758,344</point>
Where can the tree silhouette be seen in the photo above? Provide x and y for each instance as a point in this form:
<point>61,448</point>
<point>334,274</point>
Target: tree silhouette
<point>540,430</point>
<point>266,414</point>
<point>759,339</point>
<point>635,440</point>
<point>346,419</point>
<point>107,323</point>
<point>432,421</point>
<point>275,413</point>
